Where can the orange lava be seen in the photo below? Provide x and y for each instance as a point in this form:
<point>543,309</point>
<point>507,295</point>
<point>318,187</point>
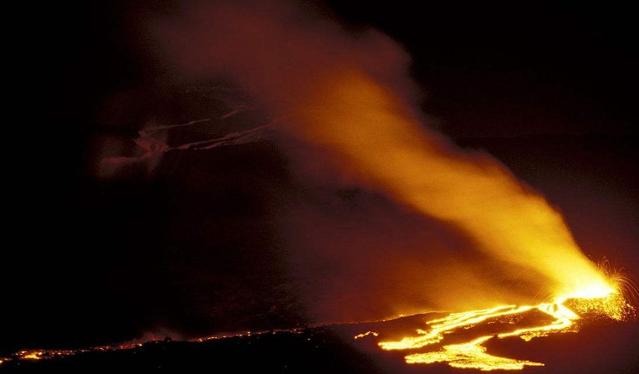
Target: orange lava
<point>472,354</point>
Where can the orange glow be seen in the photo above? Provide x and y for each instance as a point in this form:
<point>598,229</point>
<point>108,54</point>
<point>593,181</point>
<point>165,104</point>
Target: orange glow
<point>380,139</point>
<point>31,355</point>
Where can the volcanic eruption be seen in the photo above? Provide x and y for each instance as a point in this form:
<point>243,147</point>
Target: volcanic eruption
<point>349,97</point>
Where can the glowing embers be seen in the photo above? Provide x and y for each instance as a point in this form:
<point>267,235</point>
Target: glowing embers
<point>538,321</point>
<point>47,354</point>
<point>30,355</point>
<point>365,334</point>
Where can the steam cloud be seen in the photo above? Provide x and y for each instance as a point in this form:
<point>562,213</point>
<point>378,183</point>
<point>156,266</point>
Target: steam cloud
<point>436,226</point>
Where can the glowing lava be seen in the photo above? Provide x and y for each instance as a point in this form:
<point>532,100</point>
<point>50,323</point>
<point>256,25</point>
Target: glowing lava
<point>470,355</point>
<point>603,300</point>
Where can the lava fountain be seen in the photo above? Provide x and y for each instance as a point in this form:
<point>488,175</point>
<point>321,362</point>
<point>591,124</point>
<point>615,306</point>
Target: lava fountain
<point>478,195</point>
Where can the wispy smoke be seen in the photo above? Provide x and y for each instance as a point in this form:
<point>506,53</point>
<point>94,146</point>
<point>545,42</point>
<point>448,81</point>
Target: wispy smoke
<point>429,225</point>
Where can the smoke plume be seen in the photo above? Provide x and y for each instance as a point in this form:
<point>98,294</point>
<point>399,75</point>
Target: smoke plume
<point>430,225</point>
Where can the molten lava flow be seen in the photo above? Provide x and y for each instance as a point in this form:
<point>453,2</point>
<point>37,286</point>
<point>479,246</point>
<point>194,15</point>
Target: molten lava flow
<point>473,355</point>
<point>470,355</point>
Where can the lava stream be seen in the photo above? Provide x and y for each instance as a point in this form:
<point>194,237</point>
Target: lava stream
<point>472,354</point>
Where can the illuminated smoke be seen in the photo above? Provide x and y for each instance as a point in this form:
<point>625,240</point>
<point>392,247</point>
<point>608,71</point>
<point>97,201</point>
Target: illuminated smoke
<point>348,98</point>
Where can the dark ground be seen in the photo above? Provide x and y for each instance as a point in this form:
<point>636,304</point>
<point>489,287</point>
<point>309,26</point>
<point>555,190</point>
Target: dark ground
<point>332,350</point>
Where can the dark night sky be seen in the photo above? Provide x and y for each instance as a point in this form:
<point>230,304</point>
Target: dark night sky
<point>549,90</point>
